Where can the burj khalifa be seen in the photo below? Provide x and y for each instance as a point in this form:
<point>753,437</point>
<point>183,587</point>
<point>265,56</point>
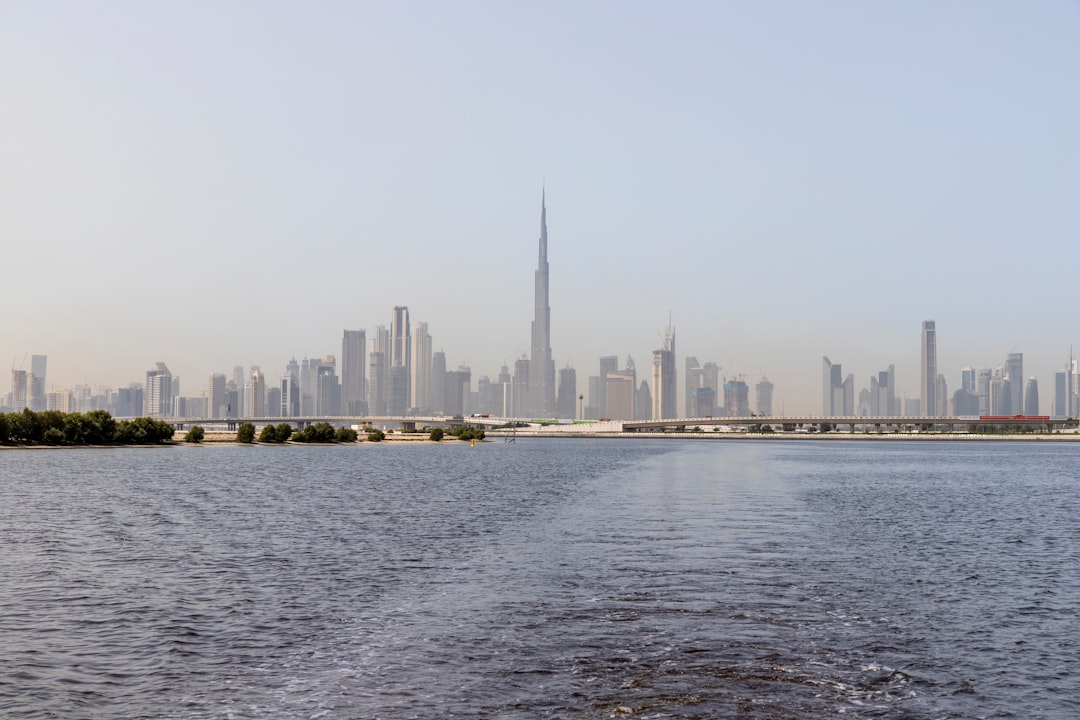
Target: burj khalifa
<point>541,366</point>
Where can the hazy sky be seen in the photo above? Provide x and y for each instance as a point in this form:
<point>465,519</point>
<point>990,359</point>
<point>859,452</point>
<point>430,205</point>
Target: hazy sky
<point>213,184</point>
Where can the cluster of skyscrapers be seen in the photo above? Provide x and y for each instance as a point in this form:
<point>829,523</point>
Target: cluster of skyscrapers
<point>1000,391</point>
<point>396,372</point>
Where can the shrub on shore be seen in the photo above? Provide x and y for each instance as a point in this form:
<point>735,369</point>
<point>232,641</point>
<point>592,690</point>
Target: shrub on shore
<point>195,434</point>
<point>245,433</point>
<point>276,433</point>
<point>464,432</point>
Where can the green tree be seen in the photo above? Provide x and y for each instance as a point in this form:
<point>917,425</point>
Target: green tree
<point>195,434</point>
<point>100,427</point>
<point>5,428</point>
<point>269,435</point>
<point>283,431</point>
<point>376,435</point>
<point>53,436</point>
<point>245,433</point>
<point>436,434</point>
<point>345,434</point>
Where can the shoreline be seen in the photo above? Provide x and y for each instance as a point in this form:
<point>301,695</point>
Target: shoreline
<point>410,439</point>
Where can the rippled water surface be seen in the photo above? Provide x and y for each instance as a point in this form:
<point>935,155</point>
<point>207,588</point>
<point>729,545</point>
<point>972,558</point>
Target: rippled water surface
<point>542,579</point>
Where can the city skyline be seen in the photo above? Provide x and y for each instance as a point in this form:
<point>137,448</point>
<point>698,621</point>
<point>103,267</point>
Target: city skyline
<point>786,182</point>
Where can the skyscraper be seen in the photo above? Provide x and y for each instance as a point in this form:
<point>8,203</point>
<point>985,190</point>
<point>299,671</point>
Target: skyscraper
<point>256,399</point>
<point>763,392</point>
<point>158,394</point>
<point>520,394</point>
<point>438,382</point>
<point>420,382</point>
<point>541,398</point>
<point>567,401</point>
<point>19,385</point>
<point>1031,397</point>
<point>215,397</point>
<point>353,366</point>
<point>928,386</point>
<point>1014,370</point>
<point>663,378</point>
<point>397,381</point>
<point>608,364</point>
<point>37,398</point>
<point>377,375</point>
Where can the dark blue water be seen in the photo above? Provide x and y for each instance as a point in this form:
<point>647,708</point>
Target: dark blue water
<point>542,579</point>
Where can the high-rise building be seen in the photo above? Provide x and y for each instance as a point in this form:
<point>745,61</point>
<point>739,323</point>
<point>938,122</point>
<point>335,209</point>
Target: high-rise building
<point>703,403</point>
<point>663,378</point>
<point>1031,397</point>
<point>256,398</point>
<point>882,395</point>
<point>378,364</point>
<point>621,392</point>
<point>353,371</point>
<point>763,392</point>
<point>215,396</point>
<point>941,396</point>
<point>928,385</point>
<point>567,402</point>
<point>438,382</point>
<point>592,404</point>
<point>327,388</point>
<point>1014,370</point>
<point>838,392</point>
<point>400,356</point>
<point>698,377</point>
<point>290,392</point>
<point>1061,403</point>
<point>692,381</point>
<point>608,365</point>
<point>506,382</point>
<point>239,381</point>
<point>643,402</point>
<point>420,382</point>
<point>983,376</point>
<point>737,398</point>
<point>541,398</point>
<point>968,378</point>
<point>129,401</point>
<point>520,394</point>
<point>60,400</point>
<point>158,393</point>
<point>37,398</point>
<point>1000,395</point>
<point>19,390</point>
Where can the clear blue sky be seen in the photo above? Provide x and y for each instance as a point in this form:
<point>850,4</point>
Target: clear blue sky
<point>218,184</point>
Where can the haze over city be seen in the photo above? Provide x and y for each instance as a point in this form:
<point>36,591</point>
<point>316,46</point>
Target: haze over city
<point>212,186</point>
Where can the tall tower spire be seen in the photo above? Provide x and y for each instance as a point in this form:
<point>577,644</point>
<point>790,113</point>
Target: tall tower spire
<point>541,400</point>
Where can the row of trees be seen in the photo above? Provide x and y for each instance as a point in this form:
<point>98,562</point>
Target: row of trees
<point>322,432</point>
<point>96,427</point>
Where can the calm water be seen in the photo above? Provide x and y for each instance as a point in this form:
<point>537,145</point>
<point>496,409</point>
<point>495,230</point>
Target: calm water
<point>542,579</point>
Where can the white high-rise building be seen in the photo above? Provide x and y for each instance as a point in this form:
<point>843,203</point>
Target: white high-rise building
<point>157,395</point>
